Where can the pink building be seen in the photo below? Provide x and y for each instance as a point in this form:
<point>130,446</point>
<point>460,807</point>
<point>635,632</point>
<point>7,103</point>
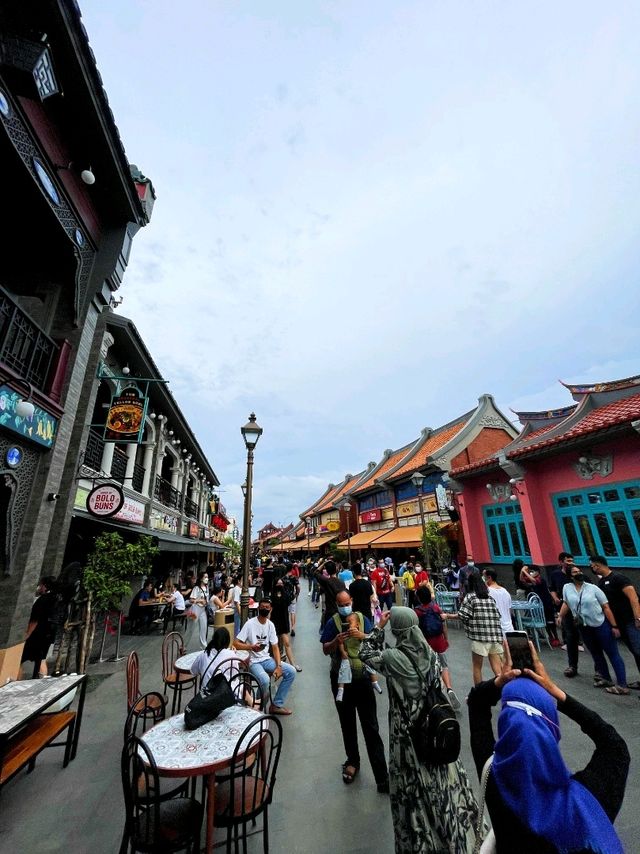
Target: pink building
<point>569,482</point>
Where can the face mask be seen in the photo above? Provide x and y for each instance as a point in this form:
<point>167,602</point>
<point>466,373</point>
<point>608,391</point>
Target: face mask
<point>345,610</point>
<point>579,576</point>
<point>471,563</point>
<point>264,612</point>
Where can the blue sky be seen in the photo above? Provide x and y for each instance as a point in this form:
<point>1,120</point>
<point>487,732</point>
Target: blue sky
<point>370,213</point>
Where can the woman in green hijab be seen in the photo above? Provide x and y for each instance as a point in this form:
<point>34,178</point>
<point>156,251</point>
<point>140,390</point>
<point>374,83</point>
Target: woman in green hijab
<point>433,807</point>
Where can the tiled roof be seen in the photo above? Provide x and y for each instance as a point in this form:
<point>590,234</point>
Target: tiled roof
<point>603,418</point>
<point>328,501</point>
<point>337,494</point>
<point>535,433</point>
<point>436,441</point>
<point>310,510</point>
<point>488,462</point>
<point>388,464</point>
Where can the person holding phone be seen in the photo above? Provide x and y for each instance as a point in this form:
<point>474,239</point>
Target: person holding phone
<point>536,805</point>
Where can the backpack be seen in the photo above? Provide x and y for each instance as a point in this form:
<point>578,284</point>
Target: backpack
<point>430,621</point>
<point>352,646</point>
<point>435,733</point>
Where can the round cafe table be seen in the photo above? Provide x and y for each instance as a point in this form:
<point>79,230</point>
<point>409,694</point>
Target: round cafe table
<point>201,752</point>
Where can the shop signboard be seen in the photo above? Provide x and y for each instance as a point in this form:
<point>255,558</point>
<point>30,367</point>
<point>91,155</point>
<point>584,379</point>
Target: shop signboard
<point>333,526</point>
<point>132,511</point>
<point>125,419</point>
<point>371,516</point>
<point>105,500</point>
<point>164,522</point>
<point>442,498</point>
<point>194,530</point>
<point>39,427</point>
<point>408,508</point>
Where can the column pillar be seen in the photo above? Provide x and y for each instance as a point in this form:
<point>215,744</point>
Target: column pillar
<point>148,464</point>
<point>107,458</point>
<point>131,461</point>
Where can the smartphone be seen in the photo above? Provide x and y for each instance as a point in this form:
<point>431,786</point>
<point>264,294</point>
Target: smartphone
<point>518,643</point>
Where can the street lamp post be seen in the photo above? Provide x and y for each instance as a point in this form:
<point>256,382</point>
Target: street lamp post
<point>251,432</point>
<point>417,479</point>
<point>346,506</point>
<point>307,522</point>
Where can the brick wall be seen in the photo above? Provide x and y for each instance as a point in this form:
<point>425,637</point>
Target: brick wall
<point>486,444</point>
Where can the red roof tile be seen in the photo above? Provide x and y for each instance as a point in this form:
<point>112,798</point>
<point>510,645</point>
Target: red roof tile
<point>488,462</point>
<point>433,444</point>
<point>389,463</point>
<point>604,417</point>
<point>337,494</point>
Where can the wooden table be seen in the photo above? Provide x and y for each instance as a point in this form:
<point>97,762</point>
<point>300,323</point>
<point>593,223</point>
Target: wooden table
<point>202,752</point>
<point>22,702</point>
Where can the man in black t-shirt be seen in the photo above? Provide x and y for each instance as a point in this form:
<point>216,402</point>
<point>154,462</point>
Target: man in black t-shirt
<point>330,586</point>
<point>570,632</point>
<point>361,591</point>
<point>623,601</point>
<point>40,631</point>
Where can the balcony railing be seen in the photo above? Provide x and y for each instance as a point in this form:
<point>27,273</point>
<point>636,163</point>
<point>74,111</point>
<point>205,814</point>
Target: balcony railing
<point>23,345</point>
<point>93,452</point>
<point>165,493</point>
<point>138,477</point>
<point>190,508</point>
<point>119,465</point>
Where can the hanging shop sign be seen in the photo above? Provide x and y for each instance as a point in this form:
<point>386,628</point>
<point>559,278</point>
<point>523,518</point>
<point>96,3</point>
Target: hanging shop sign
<point>194,530</point>
<point>441,498</point>
<point>39,427</point>
<point>333,526</point>
<point>105,500</point>
<point>371,516</point>
<point>125,419</point>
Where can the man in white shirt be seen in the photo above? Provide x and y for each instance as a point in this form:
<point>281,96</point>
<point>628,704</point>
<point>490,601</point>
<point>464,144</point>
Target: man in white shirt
<point>256,636</point>
<point>236,593</point>
<point>501,597</point>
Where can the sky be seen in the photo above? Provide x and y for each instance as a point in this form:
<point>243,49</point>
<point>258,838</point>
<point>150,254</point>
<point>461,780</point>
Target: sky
<point>370,213</point>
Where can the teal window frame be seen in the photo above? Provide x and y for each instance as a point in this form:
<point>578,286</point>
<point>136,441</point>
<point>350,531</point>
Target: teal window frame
<point>591,521</point>
<point>505,531</point>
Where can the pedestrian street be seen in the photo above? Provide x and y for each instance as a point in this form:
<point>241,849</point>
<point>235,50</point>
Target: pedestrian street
<point>80,809</point>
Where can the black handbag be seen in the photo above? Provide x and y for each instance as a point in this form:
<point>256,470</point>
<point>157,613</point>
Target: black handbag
<point>214,697</point>
<point>436,731</point>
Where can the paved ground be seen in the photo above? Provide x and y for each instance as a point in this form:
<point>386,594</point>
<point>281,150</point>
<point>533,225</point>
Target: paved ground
<point>80,809</point>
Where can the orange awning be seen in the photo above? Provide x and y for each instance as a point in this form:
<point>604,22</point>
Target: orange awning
<point>400,538</point>
<point>362,540</point>
<point>317,542</point>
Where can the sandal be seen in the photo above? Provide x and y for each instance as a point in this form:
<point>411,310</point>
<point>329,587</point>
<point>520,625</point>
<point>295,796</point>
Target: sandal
<point>571,672</point>
<point>601,682</point>
<point>618,690</point>
<point>634,685</point>
<point>349,776</point>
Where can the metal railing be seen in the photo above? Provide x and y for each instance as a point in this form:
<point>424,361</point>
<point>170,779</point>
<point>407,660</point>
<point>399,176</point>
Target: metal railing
<point>190,508</point>
<point>23,345</point>
<point>93,452</point>
<point>138,477</point>
<point>119,465</point>
<point>165,493</point>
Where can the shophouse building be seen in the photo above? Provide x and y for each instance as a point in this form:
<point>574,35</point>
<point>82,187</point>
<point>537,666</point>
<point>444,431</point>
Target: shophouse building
<point>570,481</point>
<point>72,207</point>
<point>168,483</point>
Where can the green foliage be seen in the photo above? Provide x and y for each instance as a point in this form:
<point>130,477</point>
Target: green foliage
<point>436,545</point>
<point>232,544</point>
<point>111,566</point>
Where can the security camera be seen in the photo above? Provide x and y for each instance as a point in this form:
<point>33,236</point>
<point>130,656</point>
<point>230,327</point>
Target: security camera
<point>53,496</point>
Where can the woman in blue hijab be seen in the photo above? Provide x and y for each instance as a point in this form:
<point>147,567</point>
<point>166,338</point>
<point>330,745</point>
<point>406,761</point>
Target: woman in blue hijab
<point>536,805</point>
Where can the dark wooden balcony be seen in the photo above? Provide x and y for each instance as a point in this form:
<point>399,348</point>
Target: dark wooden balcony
<point>138,477</point>
<point>165,493</point>
<point>119,465</point>
<point>93,452</point>
<point>24,347</point>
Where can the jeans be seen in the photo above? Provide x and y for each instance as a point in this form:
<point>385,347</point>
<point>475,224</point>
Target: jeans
<point>571,636</point>
<point>263,669</point>
<point>359,698</point>
<point>385,599</point>
<point>236,623</point>
<point>630,636</point>
<point>600,640</point>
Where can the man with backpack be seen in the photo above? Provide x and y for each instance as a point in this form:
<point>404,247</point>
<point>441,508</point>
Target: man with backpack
<point>433,625</point>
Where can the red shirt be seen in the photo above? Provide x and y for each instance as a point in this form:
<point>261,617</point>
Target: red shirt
<point>421,577</point>
<point>439,643</point>
<point>381,580</point>
<point>295,571</point>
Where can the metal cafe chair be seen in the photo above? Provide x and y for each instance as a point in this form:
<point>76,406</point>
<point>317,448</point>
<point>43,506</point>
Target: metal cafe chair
<point>247,690</point>
<point>248,792</point>
<point>534,622</point>
<point>173,648</point>
<point>154,822</point>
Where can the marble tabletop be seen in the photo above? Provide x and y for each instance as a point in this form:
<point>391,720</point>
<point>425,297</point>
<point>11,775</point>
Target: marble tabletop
<point>20,701</point>
<point>183,664</point>
<point>199,751</point>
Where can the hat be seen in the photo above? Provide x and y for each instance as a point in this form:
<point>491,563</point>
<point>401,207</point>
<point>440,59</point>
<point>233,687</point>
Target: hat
<point>388,561</point>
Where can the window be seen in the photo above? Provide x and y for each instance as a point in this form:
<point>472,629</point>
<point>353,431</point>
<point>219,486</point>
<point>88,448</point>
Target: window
<point>602,521</point>
<point>507,537</point>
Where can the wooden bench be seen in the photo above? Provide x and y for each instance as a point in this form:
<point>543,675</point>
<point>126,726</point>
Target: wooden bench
<point>23,748</point>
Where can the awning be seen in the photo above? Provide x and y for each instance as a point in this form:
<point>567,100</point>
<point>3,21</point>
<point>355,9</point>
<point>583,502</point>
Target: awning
<point>166,542</point>
<point>400,538</point>
<point>318,542</point>
<point>289,546</point>
<point>362,540</point>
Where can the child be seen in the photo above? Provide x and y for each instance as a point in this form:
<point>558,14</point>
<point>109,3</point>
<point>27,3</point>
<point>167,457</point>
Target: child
<point>433,626</point>
<point>344,672</point>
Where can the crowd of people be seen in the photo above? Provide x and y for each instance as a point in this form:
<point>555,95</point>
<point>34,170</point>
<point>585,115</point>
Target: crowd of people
<point>527,789</point>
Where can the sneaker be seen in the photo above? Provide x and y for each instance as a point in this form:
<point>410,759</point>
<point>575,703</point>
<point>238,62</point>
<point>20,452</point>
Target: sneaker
<point>293,633</point>
<point>453,699</point>
<point>564,647</point>
<point>377,687</point>
<point>580,648</point>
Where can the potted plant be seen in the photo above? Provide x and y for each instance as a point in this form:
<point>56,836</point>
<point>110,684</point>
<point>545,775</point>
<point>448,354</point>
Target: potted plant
<point>107,579</point>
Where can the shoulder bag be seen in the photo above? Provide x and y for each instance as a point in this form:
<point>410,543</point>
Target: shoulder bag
<point>436,731</point>
<point>214,697</point>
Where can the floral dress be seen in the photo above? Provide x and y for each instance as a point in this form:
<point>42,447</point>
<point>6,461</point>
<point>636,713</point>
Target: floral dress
<point>433,808</point>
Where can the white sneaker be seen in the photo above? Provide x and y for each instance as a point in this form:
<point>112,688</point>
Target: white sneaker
<point>453,699</point>
<point>580,648</point>
<point>564,646</point>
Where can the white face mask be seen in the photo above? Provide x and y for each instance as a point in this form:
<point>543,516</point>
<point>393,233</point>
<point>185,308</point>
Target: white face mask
<point>471,563</point>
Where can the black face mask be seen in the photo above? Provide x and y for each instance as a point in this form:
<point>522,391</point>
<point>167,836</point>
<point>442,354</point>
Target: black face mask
<point>579,576</point>
<point>264,612</point>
